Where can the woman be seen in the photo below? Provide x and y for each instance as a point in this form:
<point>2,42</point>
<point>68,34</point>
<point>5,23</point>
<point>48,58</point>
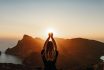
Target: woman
<point>49,53</point>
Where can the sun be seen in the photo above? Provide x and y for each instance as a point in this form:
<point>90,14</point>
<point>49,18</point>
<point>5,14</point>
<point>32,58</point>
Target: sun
<point>50,30</point>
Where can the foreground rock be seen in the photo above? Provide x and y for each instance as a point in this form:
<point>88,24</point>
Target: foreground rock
<point>10,66</point>
<point>73,53</point>
<point>0,52</point>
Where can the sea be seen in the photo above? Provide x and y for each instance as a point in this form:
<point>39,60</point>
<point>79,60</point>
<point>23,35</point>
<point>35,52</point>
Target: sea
<point>5,58</point>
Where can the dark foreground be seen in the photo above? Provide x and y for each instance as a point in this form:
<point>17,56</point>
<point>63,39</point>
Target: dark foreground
<point>10,66</point>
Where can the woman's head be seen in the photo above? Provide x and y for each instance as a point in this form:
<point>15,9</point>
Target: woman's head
<point>49,45</point>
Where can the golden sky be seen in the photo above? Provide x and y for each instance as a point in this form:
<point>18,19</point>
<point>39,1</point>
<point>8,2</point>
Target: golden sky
<point>69,19</point>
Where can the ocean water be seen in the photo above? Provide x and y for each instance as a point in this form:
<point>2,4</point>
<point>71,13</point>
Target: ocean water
<point>4,58</point>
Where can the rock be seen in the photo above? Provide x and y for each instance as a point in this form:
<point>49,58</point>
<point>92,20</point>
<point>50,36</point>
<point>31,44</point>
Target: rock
<point>26,46</point>
<point>10,66</point>
<point>0,52</point>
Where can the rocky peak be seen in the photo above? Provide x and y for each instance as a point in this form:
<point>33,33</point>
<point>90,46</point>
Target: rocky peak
<point>26,37</point>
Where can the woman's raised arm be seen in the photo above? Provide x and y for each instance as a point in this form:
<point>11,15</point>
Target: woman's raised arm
<point>46,42</point>
<point>54,42</point>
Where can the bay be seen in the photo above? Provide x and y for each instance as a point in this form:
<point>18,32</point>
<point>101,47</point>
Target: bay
<point>5,58</point>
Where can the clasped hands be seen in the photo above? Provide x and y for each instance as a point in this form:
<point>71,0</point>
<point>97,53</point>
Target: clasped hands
<point>50,35</point>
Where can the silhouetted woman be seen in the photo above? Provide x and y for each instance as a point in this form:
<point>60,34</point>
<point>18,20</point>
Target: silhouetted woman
<point>49,53</point>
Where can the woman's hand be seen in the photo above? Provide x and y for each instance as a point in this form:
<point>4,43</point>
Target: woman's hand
<point>51,35</point>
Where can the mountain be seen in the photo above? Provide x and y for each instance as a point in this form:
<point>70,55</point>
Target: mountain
<point>26,46</point>
<point>73,53</point>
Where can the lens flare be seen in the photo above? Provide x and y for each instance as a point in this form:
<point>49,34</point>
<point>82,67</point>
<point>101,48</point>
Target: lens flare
<point>50,30</point>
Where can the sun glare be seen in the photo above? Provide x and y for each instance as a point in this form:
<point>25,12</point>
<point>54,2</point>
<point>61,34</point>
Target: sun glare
<point>51,30</point>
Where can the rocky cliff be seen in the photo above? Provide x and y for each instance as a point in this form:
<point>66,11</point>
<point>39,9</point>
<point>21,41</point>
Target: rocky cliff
<point>26,46</point>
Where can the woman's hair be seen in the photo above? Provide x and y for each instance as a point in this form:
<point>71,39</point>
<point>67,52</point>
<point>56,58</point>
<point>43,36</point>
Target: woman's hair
<point>50,51</point>
<point>50,45</point>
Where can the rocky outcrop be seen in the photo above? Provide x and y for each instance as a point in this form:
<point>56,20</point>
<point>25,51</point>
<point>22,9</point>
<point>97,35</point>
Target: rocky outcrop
<point>73,53</point>
<point>80,52</point>
<point>26,46</point>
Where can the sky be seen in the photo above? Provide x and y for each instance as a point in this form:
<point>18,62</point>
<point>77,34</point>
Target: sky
<point>68,18</point>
